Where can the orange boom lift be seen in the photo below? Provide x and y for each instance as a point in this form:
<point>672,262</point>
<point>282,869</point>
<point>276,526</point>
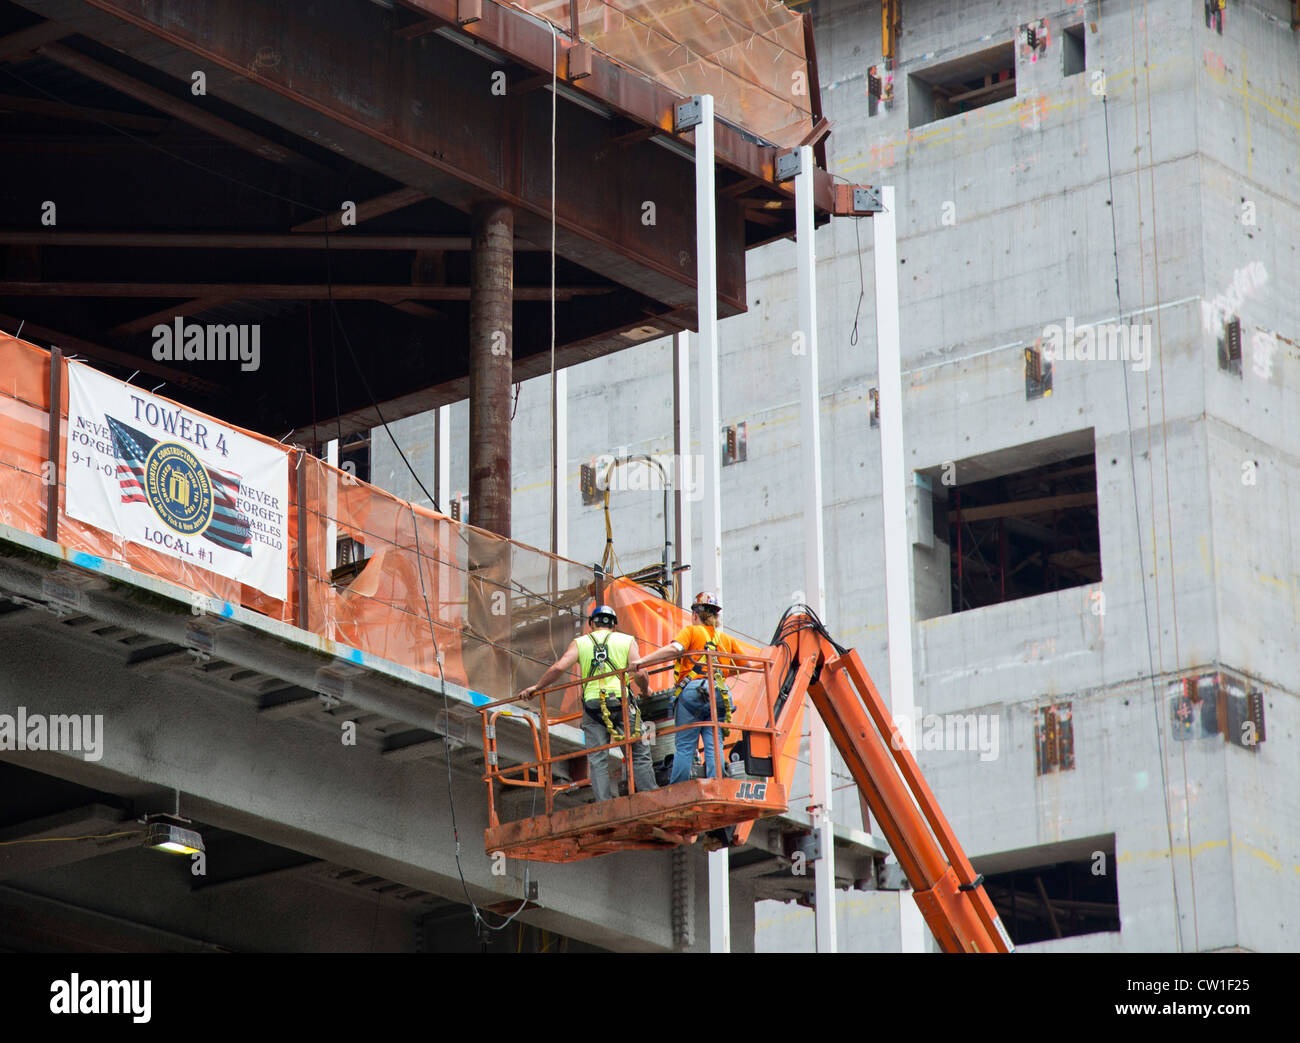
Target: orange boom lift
<point>769,690</point>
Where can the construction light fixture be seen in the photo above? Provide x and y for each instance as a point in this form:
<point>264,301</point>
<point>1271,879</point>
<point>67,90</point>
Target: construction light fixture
<point>173,834</point>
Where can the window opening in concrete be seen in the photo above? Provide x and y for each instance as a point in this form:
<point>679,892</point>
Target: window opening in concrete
<point>1059,891</point>
<point>1073,50</point>
<point>961,85</point>
<point>1024,533</point>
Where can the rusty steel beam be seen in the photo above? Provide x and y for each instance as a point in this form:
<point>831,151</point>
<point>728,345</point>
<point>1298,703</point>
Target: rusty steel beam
<point>385,204</point>
<point>535,365</point>
<point>22,44</point>
<point>615,86</point>
<point>821,126</point>
<point>141,363</point>
<point>173,106</point>
<point>273,291</point>
<point>243,240</point>
<point>166,315</point>
<point>81,113</point>
<point>422,113</point>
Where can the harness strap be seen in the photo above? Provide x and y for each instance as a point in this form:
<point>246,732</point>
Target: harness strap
<point>600,659</point>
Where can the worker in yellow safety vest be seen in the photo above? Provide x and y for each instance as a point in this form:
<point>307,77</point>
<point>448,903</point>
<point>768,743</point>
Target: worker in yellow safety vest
<point>692,688</point>
<point>599,652</point>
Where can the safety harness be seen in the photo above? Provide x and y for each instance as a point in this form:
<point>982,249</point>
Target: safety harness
<point>699,671</point>
<point>600,664</point>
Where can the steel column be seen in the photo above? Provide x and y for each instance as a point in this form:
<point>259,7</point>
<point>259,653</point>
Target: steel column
<point>331,508</point>
<point>898,546</point>
<point>491,336</point>
<point>442,490</point>
<point>684,475</point>
<point>491,341</point>
<point>560,464</point>
<point>300,513</point>
<point>707,282</point>
<point>814,545</point>
<point>55,422</point>
<point>442,459</point>
<point>706,268</point>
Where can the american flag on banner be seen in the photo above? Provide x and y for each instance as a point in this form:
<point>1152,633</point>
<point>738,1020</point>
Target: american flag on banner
<point>132,450</point>
<point>228,528</point>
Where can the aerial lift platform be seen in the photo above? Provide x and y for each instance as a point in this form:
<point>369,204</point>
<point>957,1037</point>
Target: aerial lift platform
<point>762,739</point>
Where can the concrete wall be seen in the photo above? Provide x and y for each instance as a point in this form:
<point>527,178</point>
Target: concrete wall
<point>1011,218</point>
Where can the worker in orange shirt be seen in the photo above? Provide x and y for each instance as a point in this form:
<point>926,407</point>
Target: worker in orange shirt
<point>692,688</point>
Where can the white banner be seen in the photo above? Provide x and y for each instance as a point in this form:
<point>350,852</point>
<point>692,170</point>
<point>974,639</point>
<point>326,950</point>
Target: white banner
<point>177,482</point>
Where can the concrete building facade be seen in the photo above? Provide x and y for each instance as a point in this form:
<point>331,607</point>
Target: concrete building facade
<point>1094,247</point>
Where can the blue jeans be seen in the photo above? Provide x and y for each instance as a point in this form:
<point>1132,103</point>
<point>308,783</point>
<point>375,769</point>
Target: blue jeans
<point>693,707</point>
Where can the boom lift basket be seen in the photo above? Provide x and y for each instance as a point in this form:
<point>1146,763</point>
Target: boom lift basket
<point>657,819</point>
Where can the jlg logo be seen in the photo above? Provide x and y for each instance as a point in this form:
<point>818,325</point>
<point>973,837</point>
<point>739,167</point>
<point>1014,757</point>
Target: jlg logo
<point>752,791</point>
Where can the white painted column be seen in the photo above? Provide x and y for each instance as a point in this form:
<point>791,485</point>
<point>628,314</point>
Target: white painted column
<point>893,471</point>
<point>442,458</point>
<point>814,559</point>
<point>710,571</point>
<point>559,474</point>
<point>447,574</point>
<point>685,477</point>
<point>331,509</point>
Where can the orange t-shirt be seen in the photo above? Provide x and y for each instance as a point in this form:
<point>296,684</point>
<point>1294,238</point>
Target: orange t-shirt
<point>695,638</point>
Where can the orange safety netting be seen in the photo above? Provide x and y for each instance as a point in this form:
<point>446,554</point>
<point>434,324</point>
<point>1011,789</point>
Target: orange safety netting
<point>749,54</point>
<point>500,612</point>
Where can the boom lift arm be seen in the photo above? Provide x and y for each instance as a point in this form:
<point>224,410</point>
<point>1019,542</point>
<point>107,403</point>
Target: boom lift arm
<point>946,888</point>
<point>769,689</point>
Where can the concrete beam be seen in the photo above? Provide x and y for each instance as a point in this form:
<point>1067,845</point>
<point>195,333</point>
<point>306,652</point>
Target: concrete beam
<point>301,788</point>
<point>60,839</point>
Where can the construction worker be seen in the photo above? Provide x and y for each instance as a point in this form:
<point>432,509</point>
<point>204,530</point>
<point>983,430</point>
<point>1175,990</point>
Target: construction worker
<point>602,650</point>
<point>692,687</point>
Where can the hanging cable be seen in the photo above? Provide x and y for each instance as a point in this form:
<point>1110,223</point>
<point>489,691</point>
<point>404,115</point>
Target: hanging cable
<point>89,836</point>
<point>480,924</point>
<point>356,365</point>
<point>1146,610</point>
<point>862,284</point>
<point>1164,444</point>
<point>557,492</point>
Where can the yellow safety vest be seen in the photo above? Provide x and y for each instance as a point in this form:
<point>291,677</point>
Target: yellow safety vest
<point>599,652</point>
